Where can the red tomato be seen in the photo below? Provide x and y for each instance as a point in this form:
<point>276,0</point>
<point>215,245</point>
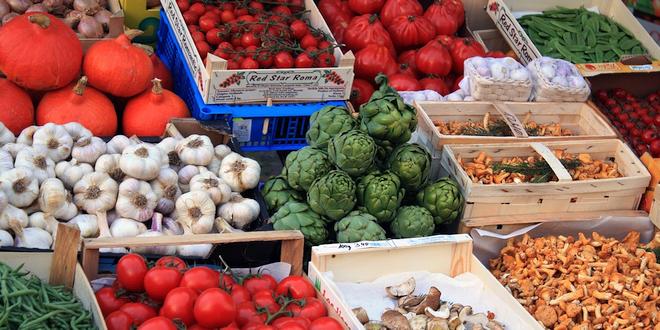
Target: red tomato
<point>198,36</point>
<point>173,262</point>
<point>241,11</point>
<point>395,8</point>
<point>158,323</point>
<point>326,60</point>
<point>190,18</point>
<point>361,92</point>
<point>200,278</point>
<point>433,59</point>
<point>411,31</point>
<point>249,64</point>
<point>407,58</point>
<point>447,16</point>
<point>495,54</point>
<point>372,60</point>
<point>308,41</point>
<point>159,281</point>
<point>435,84</point>
<point>232,326</point>
<point>299,29</point>
<point>366,6</point>
<point>214,308</point>
<point>108,300</point>
<point>119,320</point>
<point>283,60</point>
<point>139,312</point>
<point>240,294</point>
<point>179,304</point>
<point>313,309</point>
<point>213,37</point>
<point>227,6</point>
<point>266,299</point>
<point>249,39</point>
<point>404,82</point>
<point>246,312</point>
<point>454,86</point>
<point>256,5</point>
<point>198,8</point>
<point>655,148</point>
<point>364,30</point>
<point>183,5</point>
<point>227,16</point>
<point>325,45</point>
<point>304,61</point>
<point>255,283</point>
<point>203,48</point>
<point>130,270</point>
<point>253,326</point>
<point>296,287</point>
<point>286,321</point>
<point>233,65</point>
<point>265,59</point>
<point>334,10</point>
<point>325,323</point>
<point>207,23</point>
<point>461,50</point>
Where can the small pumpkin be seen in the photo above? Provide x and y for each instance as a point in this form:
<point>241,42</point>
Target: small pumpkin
<point>38,51</point>
<point>79,103</point>
<point>16,107</point>
<point>118,67</point>
<point>148,113</point>
<point>162,72</point>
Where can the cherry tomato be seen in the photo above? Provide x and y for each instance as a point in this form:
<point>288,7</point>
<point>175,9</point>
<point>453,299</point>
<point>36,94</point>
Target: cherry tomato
<point>655,148</point>
<point>299,29</point>
<point>198,36</point>
<point>266,299</point>
<point>119,320</point>
<point>246,312</point>
<point>190,17</point>
<point>308,41</point>
<point>139,312</point>
<point>256,5</point>
<point>240,294</point>
<point>233,65</point>
<point>203,48</point>
<point>198,8</point>
<point>159,281</point>
<point>179,304</point>
<point>325,323</point>
<point>172,261</point>
<point>304,61</point>
<point>200,278</point>
<point>313,309</point>
<point>227,16</point>
<point>283,11</point>
<point>249,64</point>
<point>214,308</point>
<point>183,5</point>
<point>207,23</point>
<point>241,11</point>
<point>256,283</point>
<point>249,39</point>
<point>213,37</point>
<point>158,323</point>
<point>199,327</point>
<point>326,60</point>
<point>108,300</point>
<point>283,60</point>
<point>325,45</point>
<point>131,269</point>
<point>265,59</point>
<point>296,287</point>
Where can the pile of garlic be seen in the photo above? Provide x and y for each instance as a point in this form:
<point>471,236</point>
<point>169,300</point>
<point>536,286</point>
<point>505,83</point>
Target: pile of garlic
<point>61,173</point>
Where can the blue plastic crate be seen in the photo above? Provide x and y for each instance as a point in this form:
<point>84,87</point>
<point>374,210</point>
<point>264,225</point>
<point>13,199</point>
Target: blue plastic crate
<point>258,127</point>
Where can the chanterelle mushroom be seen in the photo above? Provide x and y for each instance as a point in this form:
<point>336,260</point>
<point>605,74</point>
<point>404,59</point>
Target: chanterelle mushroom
<point>394,320</point>
<point>401,290</point>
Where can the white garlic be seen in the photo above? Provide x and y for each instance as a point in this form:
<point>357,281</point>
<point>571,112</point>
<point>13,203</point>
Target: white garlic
<point>88,149</point>
<point>34,238</point>
<point>215,164</point>
<point>95,192</point>
<point>186,174</point>
<point>136,200</point>
<point>117,144</point>
<point>239,172</point>
<point>87,224</point>
<point>56,200</point>
<point>77,131</point>
<point>141,161</point>
<point>221,151</point>
<point>6,239</point>
<point>68,210</point>
<point>239,212</point>
<point>156,230</point>
<point>195,150</point>
<point>41,166</point>
<point>55,140</point>
<point>110,164</point>
<point>3,201</point>
<point>13,148</point>
<point>6,136</point>
<point>20,186</point>
<point>166,188</point>
<point>26,135</point>
<point>44,221</point>
<point>71,172</point>
<point>169,155</point>
<point>196,211</point>
<point>218,190</point>
<point>123,227</point>
<point>6,161</point>
<point>13,217</point>
<point>195,250</point>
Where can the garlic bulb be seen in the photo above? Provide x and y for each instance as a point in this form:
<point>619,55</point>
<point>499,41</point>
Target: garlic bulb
<point>214,166</point>
<point>218,190</point>
<point>6,239</point>
<point>195,250</point>
<point>3,201</point>
<point>156,230</point>
<point>42,167</point>
<point>77,131</point>
<point>68,210</point>
<point>6,161</point>
<point>239,211</point>
<point>221,151</point>
<point>71,172</point>
<point>13,217</point>
<point>34,238</point>
<point>87,223</point>
<point>141,161</point>
<point>110,164</point>
<point>196,211</point>
<point>172,227</point>
<point>117,144</point>
<point>168,149</point>
<point>166,188</point>
<point>95,192</point>
<point>20,186</point>
<point>44,221</point>
<point>13,148</point>
<point>88,149</point>
<point>26,135</point>
<point>195,150</point>
<point>186,174</point>
<point>136,200</point>
<point>239,172</point>
<point>55,139</point>
<point>6,136</point>
<point>123,227</point>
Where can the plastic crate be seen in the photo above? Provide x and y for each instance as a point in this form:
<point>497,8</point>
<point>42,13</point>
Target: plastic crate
<point>256,127</point>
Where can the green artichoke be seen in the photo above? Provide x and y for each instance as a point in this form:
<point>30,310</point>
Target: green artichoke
<point>412,221</point>
<point>353,152</point>
<point>386,117</point>
<point>358,226</point>
<point>304,166</point>
<point>298,216</point>
<point>277,192</point>
<point>332,195</point>
<point>327,123</point>
<point>380,195</point>
<point>412,164</point>
<point>443,199</point>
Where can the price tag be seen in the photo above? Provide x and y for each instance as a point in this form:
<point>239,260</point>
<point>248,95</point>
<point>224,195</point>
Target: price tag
<point>517,128</point>
<point>392,243</point>
<point>242,129</point>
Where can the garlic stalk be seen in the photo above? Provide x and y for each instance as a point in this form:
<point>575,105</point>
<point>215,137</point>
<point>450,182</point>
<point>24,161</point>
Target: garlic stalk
<point>156,230</point>
<point>6,239</point>
<point>6,161</point>
<point>218,190</point>
<point>55,140</point>
<point>13,148</point>
<point>33,238</point>
<point>186,174</point>
<point>222,226</point>
<point>41,166</point>
<point>6,136</point>
<point>77,131</point>
<point>117,144</point>
<point>166,188</point>
<point>195,150</point>
<point>95,192</point>
<point>239,172</point>
<point>26,135</point>
<point>196,211</point>
<point>44,221</point>
<point>13,217</point>
<point>110,164</point>
<point>141,161</point>
<point>239,211</point>
<point>88,149</point>
<point>71,172</point>
<point>168,149</point>
<point>136,200</point>
<point>123,227</point>
<point>20,186</point>
<point>87,223</point>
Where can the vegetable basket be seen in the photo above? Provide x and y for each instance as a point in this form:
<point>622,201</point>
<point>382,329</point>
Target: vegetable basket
<point>489,89</point>
<point>545,91</point>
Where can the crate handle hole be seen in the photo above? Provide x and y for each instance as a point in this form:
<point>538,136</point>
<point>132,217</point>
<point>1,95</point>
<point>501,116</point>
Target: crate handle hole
<point>540,201</point>
<point>499,227</point>
<point>574,200</point>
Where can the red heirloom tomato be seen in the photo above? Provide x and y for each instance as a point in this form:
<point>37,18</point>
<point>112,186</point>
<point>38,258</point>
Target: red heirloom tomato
<point>361,92</point>
<point>108,300</point>
<point>325,323</point>
<point>366,6</point>
<point>179,304</point>
<point>312,309</point>
<point>130,270</point>
<point>410,31</point>
<point>364,30</point>
<point>246,312</point>
<point>295,287</point>
<point>435,84</point>
<point>159,281</point>
<point>408,58</point>
<point>446,15</point>
<point>433,58</point>
<point>119,320</point>
<point>462,49</point>
<point>158,323</point>
<point>286,321</point>
<point>200,278</point>
<point>495,54</point>
<point>404,82</point>
<point>259,282</point>
<point>214,308</point>
<point>454,86</point>
<point>373,60</point>
<point>172,261</point>
<point>334,10</point>
<point>266,299</point>
<point>140,312</point>
<point>395,8</point>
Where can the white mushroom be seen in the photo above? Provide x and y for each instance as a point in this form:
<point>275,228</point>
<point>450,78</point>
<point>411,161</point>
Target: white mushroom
<point>402,289</point>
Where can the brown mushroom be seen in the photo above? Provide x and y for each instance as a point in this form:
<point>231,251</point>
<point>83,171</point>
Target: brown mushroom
<point>431,299</point>
<point>419,322</point>
<point>361,315</point>
<point>401,290</point>
<point>410,301</point>
<point>373,325</point>
<point>437,324</point>
<point>394,320</point>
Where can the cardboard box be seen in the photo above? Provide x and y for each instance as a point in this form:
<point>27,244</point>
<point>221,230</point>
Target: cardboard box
<point>502,13</point>
<point>115,27</point>
<point>138,16</point>
<point>290,85</point>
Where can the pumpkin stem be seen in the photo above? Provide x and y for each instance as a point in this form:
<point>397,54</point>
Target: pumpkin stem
<point>80,86</point>
<point>40,19</point>
<point>158,86</point>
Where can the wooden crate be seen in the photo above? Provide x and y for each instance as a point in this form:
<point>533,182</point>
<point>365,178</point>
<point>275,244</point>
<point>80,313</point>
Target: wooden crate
<point>115,26</point>
<point>564,196</point>
<point>583,120</point>
<point>366,261</point>
<point>655,208</point>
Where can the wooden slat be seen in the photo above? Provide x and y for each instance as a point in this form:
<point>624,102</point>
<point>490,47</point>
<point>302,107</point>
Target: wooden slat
<point>291,252</point>
<point>64,256</point>
<point>548,217</point>
<point>655,208</point>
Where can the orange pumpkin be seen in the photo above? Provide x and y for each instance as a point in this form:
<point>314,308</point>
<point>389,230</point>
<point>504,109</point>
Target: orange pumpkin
<point>16,110</point>
<point>79,103</point>
<point>148,113</point>
<point>162,72</point>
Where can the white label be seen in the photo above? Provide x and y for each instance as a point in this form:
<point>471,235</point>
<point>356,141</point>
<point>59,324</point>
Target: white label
<point>512,31</point>
<point>392,243</point>
<point>242,129</point>
<point>645,67</point>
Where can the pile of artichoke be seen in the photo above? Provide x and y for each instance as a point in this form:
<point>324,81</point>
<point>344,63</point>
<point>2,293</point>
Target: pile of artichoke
<point>359,179</point>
